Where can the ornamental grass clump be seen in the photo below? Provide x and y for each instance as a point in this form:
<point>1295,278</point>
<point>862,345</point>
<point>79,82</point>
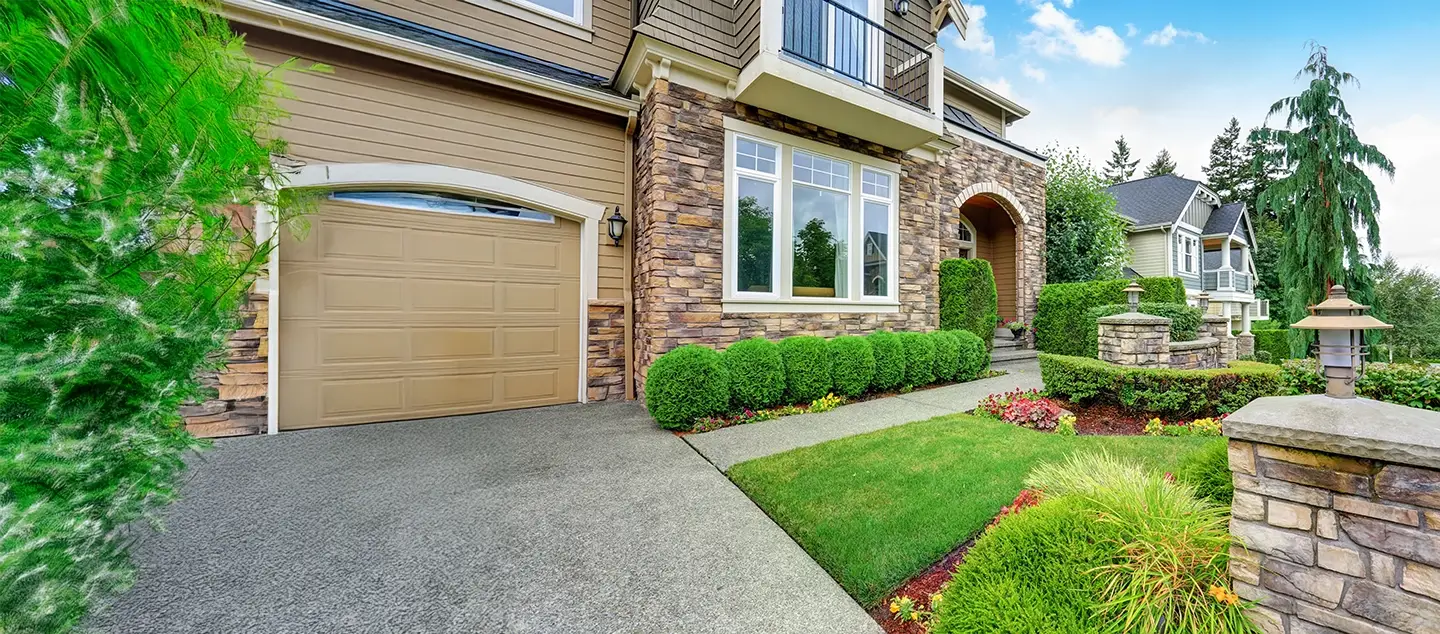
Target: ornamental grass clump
<point>128,132</point>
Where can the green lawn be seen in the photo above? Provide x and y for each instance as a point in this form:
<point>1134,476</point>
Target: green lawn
<point>877,508</point>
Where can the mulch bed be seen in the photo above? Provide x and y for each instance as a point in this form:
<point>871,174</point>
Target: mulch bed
<point>919,588</point>
<point>1105,420</point>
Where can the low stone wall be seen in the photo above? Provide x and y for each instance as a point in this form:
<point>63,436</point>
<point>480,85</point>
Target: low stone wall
<point>1201,353</point>
<point>1136,340</point>
<point>1337,503</point>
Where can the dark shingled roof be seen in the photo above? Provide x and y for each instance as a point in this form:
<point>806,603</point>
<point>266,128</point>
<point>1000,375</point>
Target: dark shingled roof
<point>375,21</point>
<point>1154,200</point>
<point>1223,220</point>
<point>960,118</point>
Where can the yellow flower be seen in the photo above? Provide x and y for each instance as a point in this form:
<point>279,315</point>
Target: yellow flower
<point>894,607</point>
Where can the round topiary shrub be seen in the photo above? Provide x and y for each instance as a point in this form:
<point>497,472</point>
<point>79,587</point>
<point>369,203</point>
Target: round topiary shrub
<point>889,360</point>
<point>947,354</point>
<point>757,374</point>
<point>974,357</point>
<point>807,368</point>
<point>685,384</point>
<point>853,365</point>
<point>919,358</point>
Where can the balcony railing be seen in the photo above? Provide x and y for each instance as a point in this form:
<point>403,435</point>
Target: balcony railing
<point>1227,280</point>
<point>840,40</point>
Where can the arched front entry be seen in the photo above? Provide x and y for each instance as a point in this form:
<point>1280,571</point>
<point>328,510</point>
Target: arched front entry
<point>990,229</point>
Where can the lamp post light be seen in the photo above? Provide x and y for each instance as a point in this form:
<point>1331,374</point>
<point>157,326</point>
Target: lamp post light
<point>1133,292</point>
<point>1202,301</point>
<point>1341,351</point>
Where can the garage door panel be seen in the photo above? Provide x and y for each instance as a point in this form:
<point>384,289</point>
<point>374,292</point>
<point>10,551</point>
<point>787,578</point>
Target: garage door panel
<point>343,346</point>
<point>452,295</point>
<point>364,397</point>
<point>348,292</point>
<point>459,390</point>
<point>435,344</point>
<point>535,385</point>
<point>451,248</point>
<point>346,240</point>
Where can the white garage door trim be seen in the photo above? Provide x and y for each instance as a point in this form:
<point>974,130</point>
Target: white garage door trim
<point>409,176</point>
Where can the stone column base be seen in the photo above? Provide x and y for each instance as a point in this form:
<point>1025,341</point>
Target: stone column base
<point>1244,345</point>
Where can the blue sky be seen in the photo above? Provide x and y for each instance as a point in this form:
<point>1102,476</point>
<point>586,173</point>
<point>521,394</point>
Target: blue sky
<point>1171,74</point>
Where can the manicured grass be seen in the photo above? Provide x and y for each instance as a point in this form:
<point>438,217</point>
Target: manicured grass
<point>877,508</point>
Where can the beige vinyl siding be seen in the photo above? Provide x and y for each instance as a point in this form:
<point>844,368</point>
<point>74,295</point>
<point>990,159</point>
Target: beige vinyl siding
<point>1147,253</point>
<point>1197,213</point>
<point>609,19</point>
<point>703,27</point>
<point>369,110</point>
<point>988,114</point>
<point>747,30</point>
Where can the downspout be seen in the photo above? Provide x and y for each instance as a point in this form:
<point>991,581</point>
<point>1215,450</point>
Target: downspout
<point>628,269</point>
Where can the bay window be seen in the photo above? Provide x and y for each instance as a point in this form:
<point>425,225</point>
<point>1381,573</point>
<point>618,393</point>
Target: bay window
<point>808,227</point>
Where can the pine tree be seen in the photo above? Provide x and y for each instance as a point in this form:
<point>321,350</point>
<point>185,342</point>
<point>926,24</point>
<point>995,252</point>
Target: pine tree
<point>1120,168</point>
<point>1226,171</point>
<point>1325,195</point>
<point>1163,164</point>
<point>1261,166</point>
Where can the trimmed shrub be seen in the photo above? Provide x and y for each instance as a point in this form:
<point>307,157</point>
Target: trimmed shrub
<point>853,365</point>
<point>1276,342</point>
<point>1400,383</point>
<point>807,368</point>
<point>889,360</point>
<point>1184,319</point>
<point>919,358</point>
<point>1156,390</point>
<point>947,354</point>
<point>685,384</point>
<point>757,374</point>
<point>974,356</point>
<point>1063,309</point>
<point>968,299</point>
<point>1208,471</point>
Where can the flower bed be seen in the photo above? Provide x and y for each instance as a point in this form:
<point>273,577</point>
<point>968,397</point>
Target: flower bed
<point>1024,408</point>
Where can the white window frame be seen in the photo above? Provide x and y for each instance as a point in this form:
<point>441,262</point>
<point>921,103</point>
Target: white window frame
<point>578,25</point>
<point>733,174</point>
<point>782,300</point>
<point>968,245</point>
<point>890,238</point>
<point>1189,258</point>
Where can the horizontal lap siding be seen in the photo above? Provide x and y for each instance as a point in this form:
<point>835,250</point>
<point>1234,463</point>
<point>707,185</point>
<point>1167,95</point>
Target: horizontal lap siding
<point>986,113</point>
<point>1147,253</point>
<point>610,20</point>
<point>368,110</point>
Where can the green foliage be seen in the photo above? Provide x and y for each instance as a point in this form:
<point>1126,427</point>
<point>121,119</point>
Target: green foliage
<point>1184,319</point>
<point>889,360</point>
<point>853,365</point>
<point>1411,385</point>
<point>1063,312</point>
<point>815,250</point>
<point>1266,255</point>
<point>807,368</point>
<point>755,260</point>
<point>1084,235</point>
<point>757,375</point>
<point>685,384</point>
<point>1163,392</point>
<point>1121,167</point>
<point>919,358</point>
<point>1325,194</point>
<point>947,354</point>
<point>1226,171</point>
<point>974,356</point>
<point>1208,472</point>
<point>1163,164</point>
<point>968,297</point>
<point>1274,342</point>
<point>126,128</point>
<point>1408,299</point>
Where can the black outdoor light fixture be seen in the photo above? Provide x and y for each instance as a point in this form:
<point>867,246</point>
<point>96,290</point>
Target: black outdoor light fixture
<point>616,226</point>
<point>902,7</point>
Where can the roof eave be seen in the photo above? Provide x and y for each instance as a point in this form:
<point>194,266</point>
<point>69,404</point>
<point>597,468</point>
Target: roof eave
<point>1014,110</point>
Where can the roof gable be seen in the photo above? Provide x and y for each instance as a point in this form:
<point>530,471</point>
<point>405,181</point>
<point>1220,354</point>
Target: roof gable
<point>1224,219</point>
<point>1153,201</point>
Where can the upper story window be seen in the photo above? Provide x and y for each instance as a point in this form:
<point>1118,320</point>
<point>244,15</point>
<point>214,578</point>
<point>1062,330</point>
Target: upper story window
<point>807,224</point>
<point>572,10</point>
<point>1188,248</point>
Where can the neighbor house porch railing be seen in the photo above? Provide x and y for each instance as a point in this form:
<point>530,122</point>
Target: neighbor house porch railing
<point>839,39</point>
<point>1227,280</point>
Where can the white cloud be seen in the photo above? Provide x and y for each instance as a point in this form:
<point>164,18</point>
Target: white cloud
<point>1408,222</point>
<point>1168,35</point>
<point>1033,72</point>
<point>1131,30</point>
<point>1058,35</point>
<point>976,39</point>
<point>1001,86</point>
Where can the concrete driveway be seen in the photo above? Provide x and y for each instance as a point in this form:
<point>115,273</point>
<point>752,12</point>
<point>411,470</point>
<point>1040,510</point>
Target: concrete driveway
<point>564,519</point>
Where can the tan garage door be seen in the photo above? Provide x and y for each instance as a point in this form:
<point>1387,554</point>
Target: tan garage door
<point>391,314</point>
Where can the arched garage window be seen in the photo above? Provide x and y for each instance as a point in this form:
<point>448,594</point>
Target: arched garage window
<point>444,203</point>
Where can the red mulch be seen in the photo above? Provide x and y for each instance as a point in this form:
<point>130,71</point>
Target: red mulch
<point>919,588</point>
<point>1105,420</point>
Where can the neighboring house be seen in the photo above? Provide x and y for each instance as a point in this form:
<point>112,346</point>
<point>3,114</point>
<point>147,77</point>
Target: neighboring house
<point>478,148</point>
<point>1178,227</point>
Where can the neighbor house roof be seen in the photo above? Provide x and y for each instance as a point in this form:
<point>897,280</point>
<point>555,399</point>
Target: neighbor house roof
<point>960,118</point>
<point>1157,200</point>
<point>1223,220</point>
<point>376,21</point>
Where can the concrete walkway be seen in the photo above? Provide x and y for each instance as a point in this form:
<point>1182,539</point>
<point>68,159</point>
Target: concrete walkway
<point>733,445</point>
<point>565,519</point>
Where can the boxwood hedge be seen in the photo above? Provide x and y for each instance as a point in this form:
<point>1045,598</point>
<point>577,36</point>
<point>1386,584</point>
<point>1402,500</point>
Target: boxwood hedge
<point>919,358</point>
<point>968,298</point>
<point>1160,391</point>
<point>1063,310</point>
<point>889,360</point>
<point>853,365</point>
<point>807,368</point>
<point>685,384</point>
<point>1274,341</point>
<point>757,374</point>
<point>947,354</point>
<point>974,356</point>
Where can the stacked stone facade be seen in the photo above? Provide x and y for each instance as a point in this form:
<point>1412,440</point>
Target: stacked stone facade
<point>1135,340</point>
<point>679,226</point>
<point>605,354</point>
<point>238,405</point>
<point>1199,354</point>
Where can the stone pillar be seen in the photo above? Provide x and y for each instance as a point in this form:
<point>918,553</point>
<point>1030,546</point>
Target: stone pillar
<point>1337,505</point>
<point>1135,339</point>
<point>239,405</point>
<point>1245,345</point>
<point>605,354</point>
<point>1218,326</point>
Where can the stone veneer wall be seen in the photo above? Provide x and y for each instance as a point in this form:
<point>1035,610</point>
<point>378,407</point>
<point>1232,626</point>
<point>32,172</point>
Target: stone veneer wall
<point>1135,340</point>
<point>240,406</point>
<point>680,206</point>
<point>605,376</point>
<point>1200,354</point>
<point>1341,535</point>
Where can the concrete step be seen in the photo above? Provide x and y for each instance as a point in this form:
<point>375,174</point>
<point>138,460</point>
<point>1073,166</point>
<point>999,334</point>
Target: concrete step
<point>1007,342</point>
<point>1006,355</point>
<point>1002,333</point>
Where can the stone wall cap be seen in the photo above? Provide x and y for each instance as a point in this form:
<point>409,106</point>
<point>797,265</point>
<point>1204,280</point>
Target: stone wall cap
<point>1357,427</point>
<point>1215,318</point>
<point>1135,319</point>
<point>1197,344</point>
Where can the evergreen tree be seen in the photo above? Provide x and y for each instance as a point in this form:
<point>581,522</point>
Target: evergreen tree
<point>1120,168</point>
<point>1325,195</point>
<point>1261,167</point>
<point>1226,171</point>
<point>1163,164</point>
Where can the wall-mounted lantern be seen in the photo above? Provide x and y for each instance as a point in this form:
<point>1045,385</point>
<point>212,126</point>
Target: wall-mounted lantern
<point>902,7</point>
<point>1341,351</point>
<point>615,226</point>
<point>1133,292</point>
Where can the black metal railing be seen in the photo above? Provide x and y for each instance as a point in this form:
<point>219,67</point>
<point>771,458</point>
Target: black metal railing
<point>840,40</point>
